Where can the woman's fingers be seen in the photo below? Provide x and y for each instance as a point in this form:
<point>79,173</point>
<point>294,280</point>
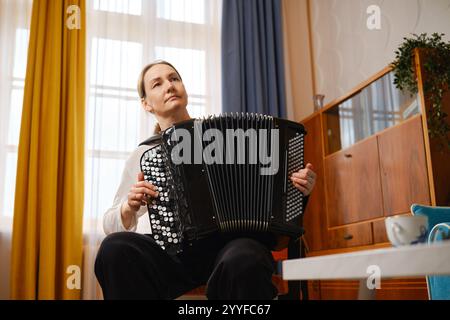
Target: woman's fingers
<point>301,188</point>
<point>305,174</point>
<point>145,184</point>
<point>301,182</point>
<point>141,193</point>
<point>145,191</point>
<point>132,203</point>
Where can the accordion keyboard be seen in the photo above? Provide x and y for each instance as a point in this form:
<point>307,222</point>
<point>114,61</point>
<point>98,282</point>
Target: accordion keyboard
<point>163,218</point>
<point>294,205</point>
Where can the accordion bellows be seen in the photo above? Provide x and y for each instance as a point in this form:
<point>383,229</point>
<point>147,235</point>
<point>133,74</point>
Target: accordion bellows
<point>225,174</point>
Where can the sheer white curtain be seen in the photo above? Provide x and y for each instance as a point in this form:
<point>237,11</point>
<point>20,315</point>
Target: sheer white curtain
<point>15,19</point>
<point>124,36</point>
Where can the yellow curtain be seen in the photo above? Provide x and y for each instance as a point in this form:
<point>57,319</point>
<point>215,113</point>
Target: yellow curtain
<point>47,229</point>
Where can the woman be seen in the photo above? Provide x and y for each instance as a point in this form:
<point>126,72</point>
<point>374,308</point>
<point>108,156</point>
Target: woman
<point>133,266</point>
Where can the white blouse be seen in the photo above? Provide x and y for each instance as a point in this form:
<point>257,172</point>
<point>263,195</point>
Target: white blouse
<point>112,219</point>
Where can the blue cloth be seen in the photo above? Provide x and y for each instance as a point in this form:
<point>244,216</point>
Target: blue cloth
<point>252,57</point>
<point>439,225</point>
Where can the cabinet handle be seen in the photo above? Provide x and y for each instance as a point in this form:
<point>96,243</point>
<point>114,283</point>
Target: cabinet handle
<point>348,237</point>
<point>348,155</point>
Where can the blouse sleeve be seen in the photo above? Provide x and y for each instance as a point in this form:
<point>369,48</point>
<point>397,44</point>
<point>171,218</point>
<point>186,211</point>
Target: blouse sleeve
<point>112,219</point>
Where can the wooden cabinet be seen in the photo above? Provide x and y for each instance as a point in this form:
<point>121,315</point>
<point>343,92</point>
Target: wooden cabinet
<point>350,236</point>
<point>374,158</point>
<point>379,176</point>
<point>353,185</point>
<point>379,232</point>
<point>403,167</point>
<point>314,290</point>
<point>392,289</point>
<point>315,218</point>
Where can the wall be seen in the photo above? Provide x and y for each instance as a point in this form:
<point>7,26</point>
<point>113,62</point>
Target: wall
<point>345,51</point>
<point>297,56</point>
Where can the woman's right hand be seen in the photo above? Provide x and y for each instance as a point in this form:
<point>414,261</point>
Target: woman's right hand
<point>140,194</point>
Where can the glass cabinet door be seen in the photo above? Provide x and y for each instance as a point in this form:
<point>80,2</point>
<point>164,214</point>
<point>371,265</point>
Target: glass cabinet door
<point>376,107</point>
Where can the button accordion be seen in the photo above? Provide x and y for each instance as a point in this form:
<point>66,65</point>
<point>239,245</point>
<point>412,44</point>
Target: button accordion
<point>225,174</point>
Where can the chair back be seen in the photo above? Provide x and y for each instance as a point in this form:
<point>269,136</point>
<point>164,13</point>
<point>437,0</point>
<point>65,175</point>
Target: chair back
<point>439,226</point>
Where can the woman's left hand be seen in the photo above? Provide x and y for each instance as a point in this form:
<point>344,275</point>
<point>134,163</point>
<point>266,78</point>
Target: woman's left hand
<point>304,179</point>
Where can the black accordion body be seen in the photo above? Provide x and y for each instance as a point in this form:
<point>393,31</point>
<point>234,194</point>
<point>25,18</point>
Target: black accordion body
<point>225,174</point>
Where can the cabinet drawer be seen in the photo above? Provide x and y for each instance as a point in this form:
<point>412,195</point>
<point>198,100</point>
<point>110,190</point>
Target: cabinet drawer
<point>352,184</point>
<point>350,236</point>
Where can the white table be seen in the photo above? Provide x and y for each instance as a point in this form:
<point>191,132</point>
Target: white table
<point>409,261</point>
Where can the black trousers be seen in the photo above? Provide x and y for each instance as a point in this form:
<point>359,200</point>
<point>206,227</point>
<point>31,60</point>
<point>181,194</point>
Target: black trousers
<point>133,266</point>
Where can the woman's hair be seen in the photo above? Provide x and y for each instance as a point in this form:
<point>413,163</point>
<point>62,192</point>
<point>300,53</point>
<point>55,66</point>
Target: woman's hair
<point>141,83</point>
<point>157,128</point>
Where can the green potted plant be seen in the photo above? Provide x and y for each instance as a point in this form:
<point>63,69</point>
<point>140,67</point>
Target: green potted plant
<point>436,83</point>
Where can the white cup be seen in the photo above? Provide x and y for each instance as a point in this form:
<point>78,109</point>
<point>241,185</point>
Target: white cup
<point>407,230</point>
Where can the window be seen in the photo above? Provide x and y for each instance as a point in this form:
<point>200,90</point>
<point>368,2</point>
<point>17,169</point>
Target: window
<point>186,11</point>
<point>12,87</point>
<point>123,36</point>
<point>120,6</point>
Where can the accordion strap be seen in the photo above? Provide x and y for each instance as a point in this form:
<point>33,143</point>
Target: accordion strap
<point>155,139</point>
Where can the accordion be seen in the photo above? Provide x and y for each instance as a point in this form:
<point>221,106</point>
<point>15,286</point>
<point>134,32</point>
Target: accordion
<point>225,174</point>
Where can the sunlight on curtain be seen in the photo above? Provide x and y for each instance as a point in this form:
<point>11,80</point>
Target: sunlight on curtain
<point>124,36</point>
<point>15,18</point>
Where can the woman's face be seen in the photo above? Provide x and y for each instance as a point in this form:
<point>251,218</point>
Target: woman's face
<point>165,92</point>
